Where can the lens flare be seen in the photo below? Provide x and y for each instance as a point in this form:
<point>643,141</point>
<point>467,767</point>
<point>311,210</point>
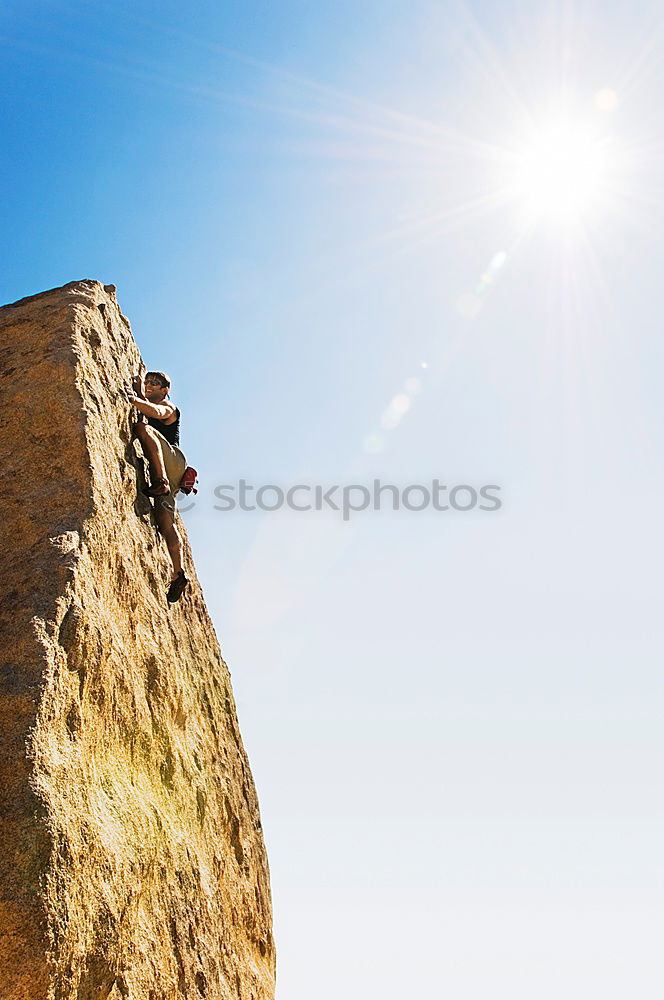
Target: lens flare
<point>413,385</point>
<point>606,100</point>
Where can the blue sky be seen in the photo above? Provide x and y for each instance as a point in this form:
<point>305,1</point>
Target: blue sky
<point>453,719</point>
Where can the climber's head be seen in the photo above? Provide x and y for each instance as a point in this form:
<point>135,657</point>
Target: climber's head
<point>157,385</point>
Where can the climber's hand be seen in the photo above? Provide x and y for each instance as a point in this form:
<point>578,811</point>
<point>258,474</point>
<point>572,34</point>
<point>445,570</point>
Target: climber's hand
<point>128,393</point>
<point>138,386</point>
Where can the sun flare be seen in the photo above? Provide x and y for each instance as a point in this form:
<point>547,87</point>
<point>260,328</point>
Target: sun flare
<point>561,172</point>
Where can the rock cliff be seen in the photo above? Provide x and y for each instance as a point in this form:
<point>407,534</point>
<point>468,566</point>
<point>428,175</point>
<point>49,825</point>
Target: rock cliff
<point>132,864</point>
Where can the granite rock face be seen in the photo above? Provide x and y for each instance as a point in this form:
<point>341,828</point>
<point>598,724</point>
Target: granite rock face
<point>132,859</point>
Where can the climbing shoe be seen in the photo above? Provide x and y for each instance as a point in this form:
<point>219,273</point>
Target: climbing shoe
<point>176,589</point>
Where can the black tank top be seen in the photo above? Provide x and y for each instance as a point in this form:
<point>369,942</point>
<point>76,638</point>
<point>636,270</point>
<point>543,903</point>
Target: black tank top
<point>170,431</point>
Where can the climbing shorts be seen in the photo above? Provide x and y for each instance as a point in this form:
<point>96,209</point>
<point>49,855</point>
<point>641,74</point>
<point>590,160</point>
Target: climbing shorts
<point>175,463</point>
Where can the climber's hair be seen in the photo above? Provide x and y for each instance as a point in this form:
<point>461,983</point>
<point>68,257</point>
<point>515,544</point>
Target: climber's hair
<point>163,378</point>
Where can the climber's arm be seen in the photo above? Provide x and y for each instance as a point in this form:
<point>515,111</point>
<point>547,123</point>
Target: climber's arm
<point>160,411</point>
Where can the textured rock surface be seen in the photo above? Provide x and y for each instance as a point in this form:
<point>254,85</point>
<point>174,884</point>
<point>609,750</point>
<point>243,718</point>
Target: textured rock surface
<point>133,864</point>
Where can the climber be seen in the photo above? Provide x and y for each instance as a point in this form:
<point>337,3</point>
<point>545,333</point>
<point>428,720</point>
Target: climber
<point>160,437</point>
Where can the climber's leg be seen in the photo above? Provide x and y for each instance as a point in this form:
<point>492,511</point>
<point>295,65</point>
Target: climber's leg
<point>149,439</point>
<point>167,465</point>
<point>166,523</point>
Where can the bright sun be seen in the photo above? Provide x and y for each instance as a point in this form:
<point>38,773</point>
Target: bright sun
<point>561,173</point>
